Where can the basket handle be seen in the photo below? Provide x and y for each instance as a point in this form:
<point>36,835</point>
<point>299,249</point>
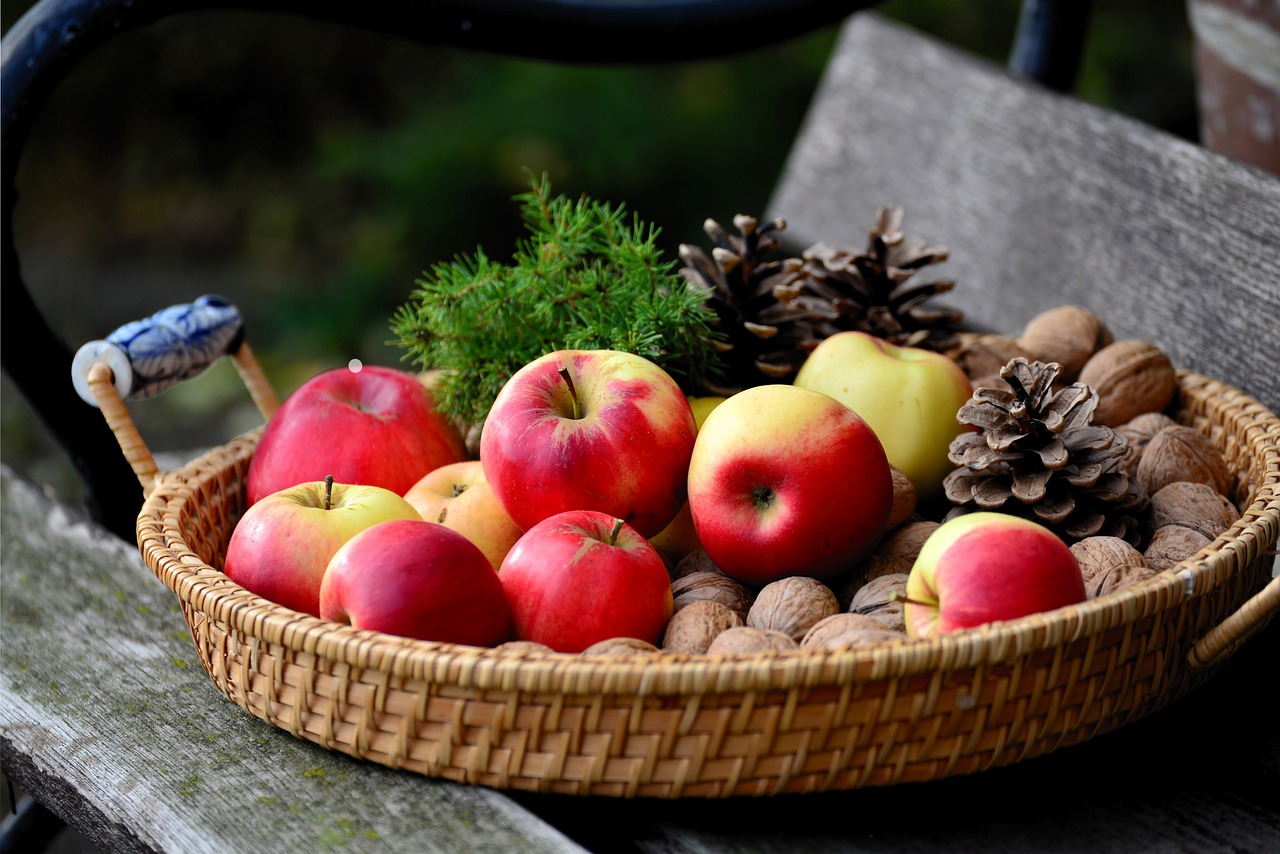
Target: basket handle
<point>145,357</point>
<point>1224,638</point>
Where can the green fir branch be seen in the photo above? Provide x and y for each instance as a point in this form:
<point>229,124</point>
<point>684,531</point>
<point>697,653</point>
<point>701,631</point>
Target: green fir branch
<point>588,276</point>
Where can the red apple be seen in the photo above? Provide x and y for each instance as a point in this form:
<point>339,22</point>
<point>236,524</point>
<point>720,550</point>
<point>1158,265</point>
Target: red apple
<point>981,567</point>
<point>909,396</point>
<point>589,430</point>
<point>375,426</point>
<point>416,579</point>
<point>583,576</point>
<point>280,547</point>
<point>458,497</point>
<point>787,481</point>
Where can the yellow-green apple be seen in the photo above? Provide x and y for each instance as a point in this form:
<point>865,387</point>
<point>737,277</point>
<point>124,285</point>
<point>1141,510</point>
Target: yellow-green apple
<point>909,396</point>
<point>374,426</point>
<point>280,547</point>
<point>787,481</point>
<point>583,576</point>
<point>680,538</point>
<point>458,496</point>
<point>980,567</point>
<point>589,430</point>
<point>416,579</point>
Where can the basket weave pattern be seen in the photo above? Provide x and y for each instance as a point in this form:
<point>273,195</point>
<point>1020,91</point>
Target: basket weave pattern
<point>703,726</point>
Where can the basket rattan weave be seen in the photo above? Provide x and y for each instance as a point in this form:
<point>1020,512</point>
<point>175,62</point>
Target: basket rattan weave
<point>700,726</point>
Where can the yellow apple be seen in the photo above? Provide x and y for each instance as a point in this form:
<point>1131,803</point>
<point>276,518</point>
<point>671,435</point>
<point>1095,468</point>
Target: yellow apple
<point>458,497</point>
<point>909,396</point>
<point>679,538</point>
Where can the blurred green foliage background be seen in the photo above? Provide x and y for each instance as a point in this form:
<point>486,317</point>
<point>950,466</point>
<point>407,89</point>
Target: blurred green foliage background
<point>310,173</point>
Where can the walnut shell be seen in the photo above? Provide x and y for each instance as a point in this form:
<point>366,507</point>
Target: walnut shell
<point>897,552</point>
<point>1180,453</point>
<point>614,647</point>
<point>905,498</point>
<point>1137,434</point>
<point>1117,578</point>
<point>881,599</point>
<point>711,586</point>
<point>841,631</point>
<point>1100,556</point>
<point>692,629</point>
<point>982,356</point>
<point>792,605</point>
<point>1192,505</point>
<point>1173,544</point>
<point>1130,377</point>
<point>524,646</point>
<point>746,639</point>
<point>1068,335</point>
<point>695,561</point>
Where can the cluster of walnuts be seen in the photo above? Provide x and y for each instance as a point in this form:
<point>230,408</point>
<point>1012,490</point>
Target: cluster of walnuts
<point>1185,480</point>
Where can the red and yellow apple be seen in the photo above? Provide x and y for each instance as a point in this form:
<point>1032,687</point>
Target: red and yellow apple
<point>416,579</point>
<point>280,547</point>
<point>981,567</point>
<point>458,496</point>
<point>374,426</point>
<point>909,396</point>
<point>787,481</point>
<point>584,576</point>
<point>589,430</point>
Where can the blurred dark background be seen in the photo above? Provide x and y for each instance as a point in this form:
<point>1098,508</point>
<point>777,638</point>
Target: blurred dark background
<point>310,173</point>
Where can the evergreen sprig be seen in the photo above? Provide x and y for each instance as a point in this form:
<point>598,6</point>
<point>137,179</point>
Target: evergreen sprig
<point>587,277</point>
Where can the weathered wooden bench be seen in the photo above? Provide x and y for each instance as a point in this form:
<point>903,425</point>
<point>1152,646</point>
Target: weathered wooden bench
<point>109,723</point>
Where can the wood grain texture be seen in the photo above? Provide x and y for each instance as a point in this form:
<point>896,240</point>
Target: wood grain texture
<point>1042,200</point>
<point>110,721</point>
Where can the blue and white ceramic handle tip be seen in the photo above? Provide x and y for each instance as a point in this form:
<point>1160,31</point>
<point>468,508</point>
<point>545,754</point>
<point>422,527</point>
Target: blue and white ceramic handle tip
<point>145,357</point>
<point>151,355</point>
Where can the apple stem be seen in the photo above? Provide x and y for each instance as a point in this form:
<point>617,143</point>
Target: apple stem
<point>573,392</point>
<point>328,491</point>
<point>904,598</point>
<point>617,529</point>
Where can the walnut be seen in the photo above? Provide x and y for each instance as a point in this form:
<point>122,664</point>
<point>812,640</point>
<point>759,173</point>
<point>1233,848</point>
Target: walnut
<point>792,605</point>
<point>1173,544</point>
<point>982,356</point>
<point>1180,453</point>
<point>904,499</point>
<point>897,552</point>
<point>881,599</point>
<point>1130,377</point>
<point>692,629</point>
<point>1118,577</point>
<point>524,647</point>
<point>1192,505</point>
<point>841,631</point>
<point>711,586</point>
<point>1099,557</point>
<point>745,639</point>
<point>696,561</point>
<point>1138,433</point>
<point>614,647</point>
<point>1068,335</point>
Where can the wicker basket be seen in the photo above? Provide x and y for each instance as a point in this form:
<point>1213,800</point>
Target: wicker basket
<point>702,726</point>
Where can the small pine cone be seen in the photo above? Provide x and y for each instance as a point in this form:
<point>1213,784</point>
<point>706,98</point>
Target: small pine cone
<point>1037,454</point>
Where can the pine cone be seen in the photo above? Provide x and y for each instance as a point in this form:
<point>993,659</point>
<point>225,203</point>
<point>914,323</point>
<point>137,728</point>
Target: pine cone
<point>868,291</point>
<point>764,342</point>
<point>1036,454</point>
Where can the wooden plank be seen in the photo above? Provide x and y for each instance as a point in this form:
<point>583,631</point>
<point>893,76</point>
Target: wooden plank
<point>109,720</point>
<point>1042,200</point>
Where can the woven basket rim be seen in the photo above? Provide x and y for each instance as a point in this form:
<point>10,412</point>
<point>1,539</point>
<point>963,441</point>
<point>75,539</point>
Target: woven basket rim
<point>209,591</point>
